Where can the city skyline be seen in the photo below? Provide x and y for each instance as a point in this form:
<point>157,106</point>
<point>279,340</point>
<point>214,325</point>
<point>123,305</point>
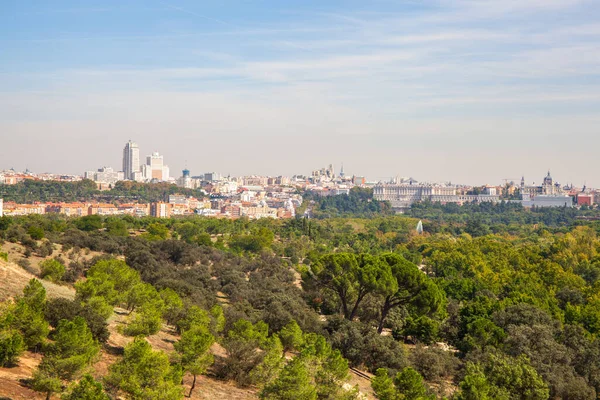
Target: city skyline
<point>461,91</point>
<point>135,168</point>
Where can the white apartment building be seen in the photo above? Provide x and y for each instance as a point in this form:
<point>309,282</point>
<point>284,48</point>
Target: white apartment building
<point>105,175</point>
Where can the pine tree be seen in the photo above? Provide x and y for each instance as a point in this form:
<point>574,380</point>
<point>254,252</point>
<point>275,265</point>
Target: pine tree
<point>145,374</point>
<point>293,383</point>
<point>73,348</point>
<point>194,350</point>
<point>291,336</point>
<point>86,389</point>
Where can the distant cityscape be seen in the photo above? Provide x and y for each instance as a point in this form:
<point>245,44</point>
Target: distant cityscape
<point>275,196</point>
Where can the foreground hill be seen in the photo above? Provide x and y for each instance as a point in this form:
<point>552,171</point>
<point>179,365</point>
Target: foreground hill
<point>15,381</point>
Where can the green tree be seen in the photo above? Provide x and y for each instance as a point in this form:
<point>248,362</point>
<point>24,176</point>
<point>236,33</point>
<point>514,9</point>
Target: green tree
<point>36,232</point>
<point>188,231</point>
<point>352,277</point>
<point>194,350</point>
<point>116,227</point>
<point>111,279</point>
<point>34,295</point>
<point>46,379</point>
<point>293,383</point>
<point>218,319</point>
<point>503,377</point>
<point>410,384</point>
<point>383,385</point>
<point>242,344</point>
<point>12,346</point>
<point>172,304</point>
<point>475,386</point>
<point>291,336</point>
<point>89,223</point>
<point>28,314</point>
<point>272,362</point>
<point>156,231</point>
<point>146,321</point>
<point>145,374</point>
<point>410,288</point>
<point>195,316</point>
<point>73,349</point>
<point>86,389</point>
<point>141,294</point>
<point>60,308</point>
<point>52,270</point>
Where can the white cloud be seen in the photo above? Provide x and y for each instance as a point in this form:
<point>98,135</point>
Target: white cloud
<point>459,81</point>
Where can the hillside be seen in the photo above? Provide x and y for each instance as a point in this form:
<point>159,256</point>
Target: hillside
<point>13,278</point>
<point>14,380</point>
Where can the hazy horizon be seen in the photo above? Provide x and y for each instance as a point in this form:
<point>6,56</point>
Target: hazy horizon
<point>466,91</point>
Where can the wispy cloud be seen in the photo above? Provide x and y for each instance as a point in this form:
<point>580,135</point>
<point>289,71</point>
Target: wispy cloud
<point>454,75</point>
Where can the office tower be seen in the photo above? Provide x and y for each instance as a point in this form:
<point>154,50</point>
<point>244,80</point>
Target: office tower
<point>155,168</point>
<point>131,160</point>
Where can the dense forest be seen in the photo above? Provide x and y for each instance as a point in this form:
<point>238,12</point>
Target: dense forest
<point>29,191</point>
<point>503,213</point>
<point>358,203</point>
<point>490,310</point>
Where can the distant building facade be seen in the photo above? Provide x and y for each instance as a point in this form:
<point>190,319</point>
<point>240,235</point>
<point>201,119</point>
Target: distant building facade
<point>403,194</point>
<point>160,210</point>
<point>547,188</point>
<point>155,169</point>
<point>548,194</point>
<point>105,175</point>
<point>548,201</point>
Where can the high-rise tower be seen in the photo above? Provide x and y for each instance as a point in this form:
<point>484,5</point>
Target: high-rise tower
<point>131,160</point>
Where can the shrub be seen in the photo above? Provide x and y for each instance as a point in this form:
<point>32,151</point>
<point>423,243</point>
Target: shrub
<point>59,309</point>
<point>11,347</point>
<point>36,232</point>
<point>434,363</point>
<point>52,270</point>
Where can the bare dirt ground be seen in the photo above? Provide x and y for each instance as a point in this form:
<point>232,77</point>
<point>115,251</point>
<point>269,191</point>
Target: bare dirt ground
<point>12,380</point>
<point>13,279</point>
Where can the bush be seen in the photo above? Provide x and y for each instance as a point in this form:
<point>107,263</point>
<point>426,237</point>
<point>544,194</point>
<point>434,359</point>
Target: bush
<point>52,270</point>
<point>145,322</point>
<point>36,232</point>
<point>59,309</point>
<point>45,249</point>
<point>434,363</point>
<point>86,389</point>
<point>362,346</point>
<point>3,256</point>
<point>422,328</point>
<point>11,347</point>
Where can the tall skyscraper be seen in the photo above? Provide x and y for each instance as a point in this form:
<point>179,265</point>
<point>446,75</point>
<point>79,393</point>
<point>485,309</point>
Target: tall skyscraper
<point>131,160</point>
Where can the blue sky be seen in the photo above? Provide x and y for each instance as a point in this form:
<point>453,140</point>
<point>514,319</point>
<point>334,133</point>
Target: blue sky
<point>471,91</point>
